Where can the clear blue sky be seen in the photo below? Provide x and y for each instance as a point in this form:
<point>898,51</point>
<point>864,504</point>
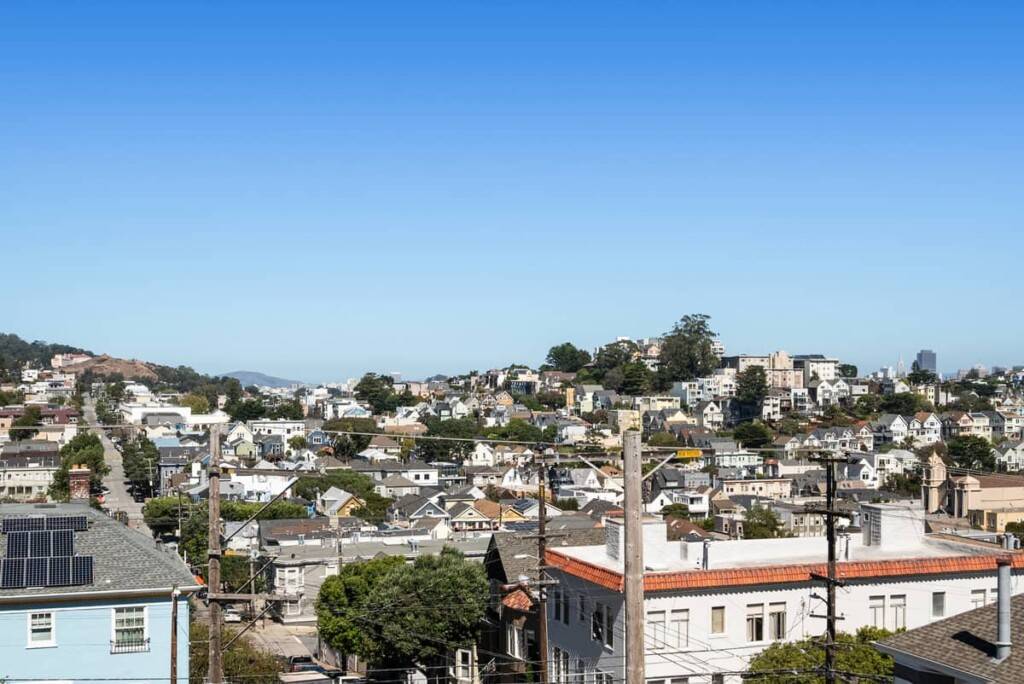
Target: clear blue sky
<point>317,189</point>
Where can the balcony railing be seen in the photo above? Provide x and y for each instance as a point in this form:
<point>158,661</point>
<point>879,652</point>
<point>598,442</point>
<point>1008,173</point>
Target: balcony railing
<point>129,646</point>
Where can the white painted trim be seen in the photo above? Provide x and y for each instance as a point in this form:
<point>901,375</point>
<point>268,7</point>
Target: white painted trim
<point>52,643</point>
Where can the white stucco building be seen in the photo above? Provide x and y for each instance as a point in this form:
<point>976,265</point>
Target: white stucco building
<point>711,606</point>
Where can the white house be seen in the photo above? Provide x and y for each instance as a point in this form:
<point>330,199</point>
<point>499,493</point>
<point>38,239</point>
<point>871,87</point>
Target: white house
<point>712,606</point>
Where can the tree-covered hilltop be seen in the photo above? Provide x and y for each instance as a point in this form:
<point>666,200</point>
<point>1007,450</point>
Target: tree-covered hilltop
<point>16,352</point>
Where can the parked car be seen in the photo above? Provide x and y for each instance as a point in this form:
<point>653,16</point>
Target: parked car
<point>232,615</point>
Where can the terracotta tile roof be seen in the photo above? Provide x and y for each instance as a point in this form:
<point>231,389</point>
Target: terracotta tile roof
<point>777,574</point>
<point>518,600</point>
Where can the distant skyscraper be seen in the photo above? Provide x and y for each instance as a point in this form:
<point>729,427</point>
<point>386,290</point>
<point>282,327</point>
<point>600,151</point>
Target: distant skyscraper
<point>926,360</point>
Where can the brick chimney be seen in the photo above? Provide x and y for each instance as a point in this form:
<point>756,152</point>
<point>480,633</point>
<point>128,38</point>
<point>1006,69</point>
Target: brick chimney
<point>78,482</point>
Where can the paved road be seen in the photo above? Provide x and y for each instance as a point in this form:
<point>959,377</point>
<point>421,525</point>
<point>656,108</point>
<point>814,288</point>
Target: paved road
<point>119,498</point>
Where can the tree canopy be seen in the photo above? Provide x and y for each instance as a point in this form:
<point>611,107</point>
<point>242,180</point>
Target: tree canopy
<point>753,435</point>
<point>379,391</point>
<point>242,662</point>
<point>751,386</point>
<point>762,523</point>
<point>197,402</point>
<point>395,615</point>
<point>970,451</point>
<point>85,449</point>
<point>687,351</point>
<point>856,654</point>
<point>567,357</point>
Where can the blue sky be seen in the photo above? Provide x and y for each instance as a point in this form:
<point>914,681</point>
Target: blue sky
<point>314,189</point>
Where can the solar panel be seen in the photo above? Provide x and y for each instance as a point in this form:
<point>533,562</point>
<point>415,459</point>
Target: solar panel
<point>60,572</point>
<point>24,524</point>
<point>78,523</point>
<point>81,570</point>
<point>36,572</point>
<point>39,546</point>
<point>18,544</point>
<point>63,543</point>
<point>13,575</point>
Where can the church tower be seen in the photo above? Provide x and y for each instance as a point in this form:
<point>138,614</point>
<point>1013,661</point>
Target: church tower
<point>933,484</point>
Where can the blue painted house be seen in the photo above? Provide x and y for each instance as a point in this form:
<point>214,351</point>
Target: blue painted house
<point>66,617</point>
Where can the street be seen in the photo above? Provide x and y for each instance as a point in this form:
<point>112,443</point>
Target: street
<point>119,498</point>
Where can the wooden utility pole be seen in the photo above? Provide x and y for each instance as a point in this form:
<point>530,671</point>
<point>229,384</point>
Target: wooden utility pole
<point>632,477</point>
<point>830,579</point>
<point>215,673</point>
<point>542,592</point>
<point>174,635</point>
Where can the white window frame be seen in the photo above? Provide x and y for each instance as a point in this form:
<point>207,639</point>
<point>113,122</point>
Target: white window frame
<point>679,627</point>
<point>52,641</point>
<point>776,632</point>
<point>898,607</point>
<point>656,620</point>
<point>711,627</point>
<point>145,621</point>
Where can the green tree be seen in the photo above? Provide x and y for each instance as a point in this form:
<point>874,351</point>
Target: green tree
<point>762,523</point>
<point>406,617</point>
<point>287,410</point>
<point>161,513</point>
<point>242,662</point>
<point>751,386</point>
<point>867,405</point>
<point>197,402</point>
<point>374,507</point>
<point>85,449</point>
<point>248,409</point>
<point>970,451</point>
<point>140,458</point>
<point>516,430</point>
<point>920,376</point>
<point>343,603</point>
<point>614,355</point>
<point>856,654</point>
<point>25,426</point>
<point>378,390</point>
<point>676,510</point>
<point>297,442</point>
<point>663,439</point>
<point>193,543</point>
<point>432,450</point>
<point>347,446</point>
<point>567,357</point>
<point>753,435</point>
<point>636,379</point>
<point>687,351</point>
<point>847,370</point>
<point>904,403</point>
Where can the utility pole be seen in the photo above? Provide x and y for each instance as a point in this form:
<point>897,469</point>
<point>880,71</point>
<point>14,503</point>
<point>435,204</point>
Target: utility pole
<point>830,579</point>
<point>215,673</point>
<point>174,635</point>
<point>632,477</point>
<point>542,592</point>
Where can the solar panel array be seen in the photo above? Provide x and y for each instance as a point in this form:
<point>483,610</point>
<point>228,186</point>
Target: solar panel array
<point>37,523</point>
<point>41,553</point>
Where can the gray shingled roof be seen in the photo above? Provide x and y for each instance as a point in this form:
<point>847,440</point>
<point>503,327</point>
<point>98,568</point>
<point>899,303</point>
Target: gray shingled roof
<point>124,559</point>
<point>965,642</point>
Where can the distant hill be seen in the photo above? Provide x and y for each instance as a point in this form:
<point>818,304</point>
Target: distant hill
<point>261,379</point>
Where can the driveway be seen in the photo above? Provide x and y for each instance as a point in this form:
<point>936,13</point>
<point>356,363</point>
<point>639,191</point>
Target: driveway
<point>119,498</point>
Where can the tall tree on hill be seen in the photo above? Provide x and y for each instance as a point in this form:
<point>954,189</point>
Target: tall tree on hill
<point>687,351</point>
<point>567,357</point>
<point>751,386</point>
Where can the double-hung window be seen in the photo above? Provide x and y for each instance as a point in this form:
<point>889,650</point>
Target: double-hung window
<point>938,604</point>
<point>898,606</point>
<point>656,629</point>
<point>755,622</point>
<point>876,604</point>
<point>718,620</point>
<point>601,623</point>
<point>41,630</point>
<point>679,628</point>
<point>129,630</point>
<point>776,621</point>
